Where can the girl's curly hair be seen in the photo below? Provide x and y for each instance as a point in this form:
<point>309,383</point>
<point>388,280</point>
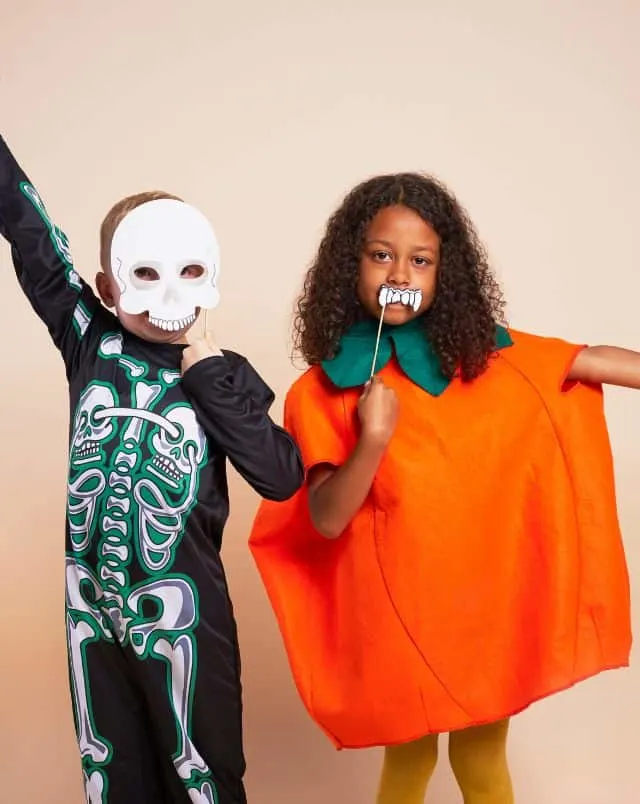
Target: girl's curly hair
<point>461,322</point>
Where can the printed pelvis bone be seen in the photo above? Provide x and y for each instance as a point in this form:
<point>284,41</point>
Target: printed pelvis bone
<point>87,479</point>
<point>167,636</point>
<point>167,489</point>
<point>166,236</point>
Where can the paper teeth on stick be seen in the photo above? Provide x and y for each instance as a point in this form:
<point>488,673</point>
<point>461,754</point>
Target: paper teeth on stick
<point>407,297</point>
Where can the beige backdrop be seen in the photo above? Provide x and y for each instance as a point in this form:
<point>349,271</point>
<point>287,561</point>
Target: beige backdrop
<point>263,114</point>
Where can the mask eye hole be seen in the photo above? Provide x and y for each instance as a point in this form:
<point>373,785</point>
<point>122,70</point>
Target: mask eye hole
<point>146,274</point>
<point>192,272</point>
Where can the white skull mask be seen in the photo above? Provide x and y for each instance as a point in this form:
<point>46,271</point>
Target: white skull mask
<point>166,236</point>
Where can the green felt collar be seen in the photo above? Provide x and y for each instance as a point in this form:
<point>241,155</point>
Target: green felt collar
<point>351,366</point>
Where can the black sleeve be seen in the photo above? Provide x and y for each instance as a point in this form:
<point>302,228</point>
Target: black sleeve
<point>42,260</point>
<point>232,402</point>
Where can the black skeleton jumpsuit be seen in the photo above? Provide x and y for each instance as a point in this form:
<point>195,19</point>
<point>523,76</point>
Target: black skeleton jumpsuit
<point>153,655</point>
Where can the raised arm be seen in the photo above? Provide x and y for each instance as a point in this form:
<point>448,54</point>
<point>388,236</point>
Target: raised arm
<point>606,365</point>
<point>42,259</point>
<point>232,402</point>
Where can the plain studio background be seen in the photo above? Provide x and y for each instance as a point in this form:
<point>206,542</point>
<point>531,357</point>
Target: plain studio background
<point>263,114</point>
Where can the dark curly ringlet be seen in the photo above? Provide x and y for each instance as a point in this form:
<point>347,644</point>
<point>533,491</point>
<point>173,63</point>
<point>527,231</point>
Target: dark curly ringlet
<point>460,324</point>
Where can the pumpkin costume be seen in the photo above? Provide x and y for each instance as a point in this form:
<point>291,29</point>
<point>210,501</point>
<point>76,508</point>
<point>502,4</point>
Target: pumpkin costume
<point>484,571</point>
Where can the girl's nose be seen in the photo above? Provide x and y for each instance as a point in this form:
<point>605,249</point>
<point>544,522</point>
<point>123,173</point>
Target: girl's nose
<point>399,273</point>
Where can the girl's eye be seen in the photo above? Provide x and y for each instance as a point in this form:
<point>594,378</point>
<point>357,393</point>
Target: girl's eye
<point>381,255</point>
<point>422,262</point>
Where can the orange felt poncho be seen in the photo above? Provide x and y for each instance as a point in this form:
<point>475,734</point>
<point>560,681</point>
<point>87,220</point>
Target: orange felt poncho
<point>485,570</point>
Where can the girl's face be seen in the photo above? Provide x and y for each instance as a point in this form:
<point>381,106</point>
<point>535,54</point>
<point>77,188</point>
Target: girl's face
<point>399,263</point>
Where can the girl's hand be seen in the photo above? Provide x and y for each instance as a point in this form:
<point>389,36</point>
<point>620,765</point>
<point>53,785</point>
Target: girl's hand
<point>378,412</point>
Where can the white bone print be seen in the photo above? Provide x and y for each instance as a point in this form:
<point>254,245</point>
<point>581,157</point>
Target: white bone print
<point>133,478</point>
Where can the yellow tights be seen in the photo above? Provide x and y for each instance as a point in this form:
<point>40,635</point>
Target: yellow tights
<point>478,759</point>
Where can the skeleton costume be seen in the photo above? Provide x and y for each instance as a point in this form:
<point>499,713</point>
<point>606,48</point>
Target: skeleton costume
<point>153,656</point>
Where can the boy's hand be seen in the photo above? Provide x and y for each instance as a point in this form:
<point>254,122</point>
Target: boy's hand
<point>199,349</point>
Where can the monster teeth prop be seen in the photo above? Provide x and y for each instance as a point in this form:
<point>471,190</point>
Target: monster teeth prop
<point>409,298</point>
<point>387,295</point>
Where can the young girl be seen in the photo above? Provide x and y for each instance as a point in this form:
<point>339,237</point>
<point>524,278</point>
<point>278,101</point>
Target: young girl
<point>455,554</point>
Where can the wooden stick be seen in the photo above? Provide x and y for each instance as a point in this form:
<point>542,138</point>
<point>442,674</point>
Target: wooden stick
<point>375,353</point>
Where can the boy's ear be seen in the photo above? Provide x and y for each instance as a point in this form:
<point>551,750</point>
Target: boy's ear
<point>105,292</point>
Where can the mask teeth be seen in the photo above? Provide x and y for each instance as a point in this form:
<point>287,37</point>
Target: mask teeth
<point>409,298</point>
<point>172,325</point>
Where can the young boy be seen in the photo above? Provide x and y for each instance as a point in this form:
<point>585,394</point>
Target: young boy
<point>153,656</point>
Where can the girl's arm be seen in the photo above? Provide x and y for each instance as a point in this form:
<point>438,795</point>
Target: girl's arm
<point>337,494</point>
<point>606,365</point>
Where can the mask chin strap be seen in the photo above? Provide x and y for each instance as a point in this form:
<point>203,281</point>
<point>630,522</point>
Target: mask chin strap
<point>375,351</point>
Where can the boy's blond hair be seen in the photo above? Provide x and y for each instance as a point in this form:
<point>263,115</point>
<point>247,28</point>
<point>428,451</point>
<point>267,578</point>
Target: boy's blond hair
<point>117,213</point>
